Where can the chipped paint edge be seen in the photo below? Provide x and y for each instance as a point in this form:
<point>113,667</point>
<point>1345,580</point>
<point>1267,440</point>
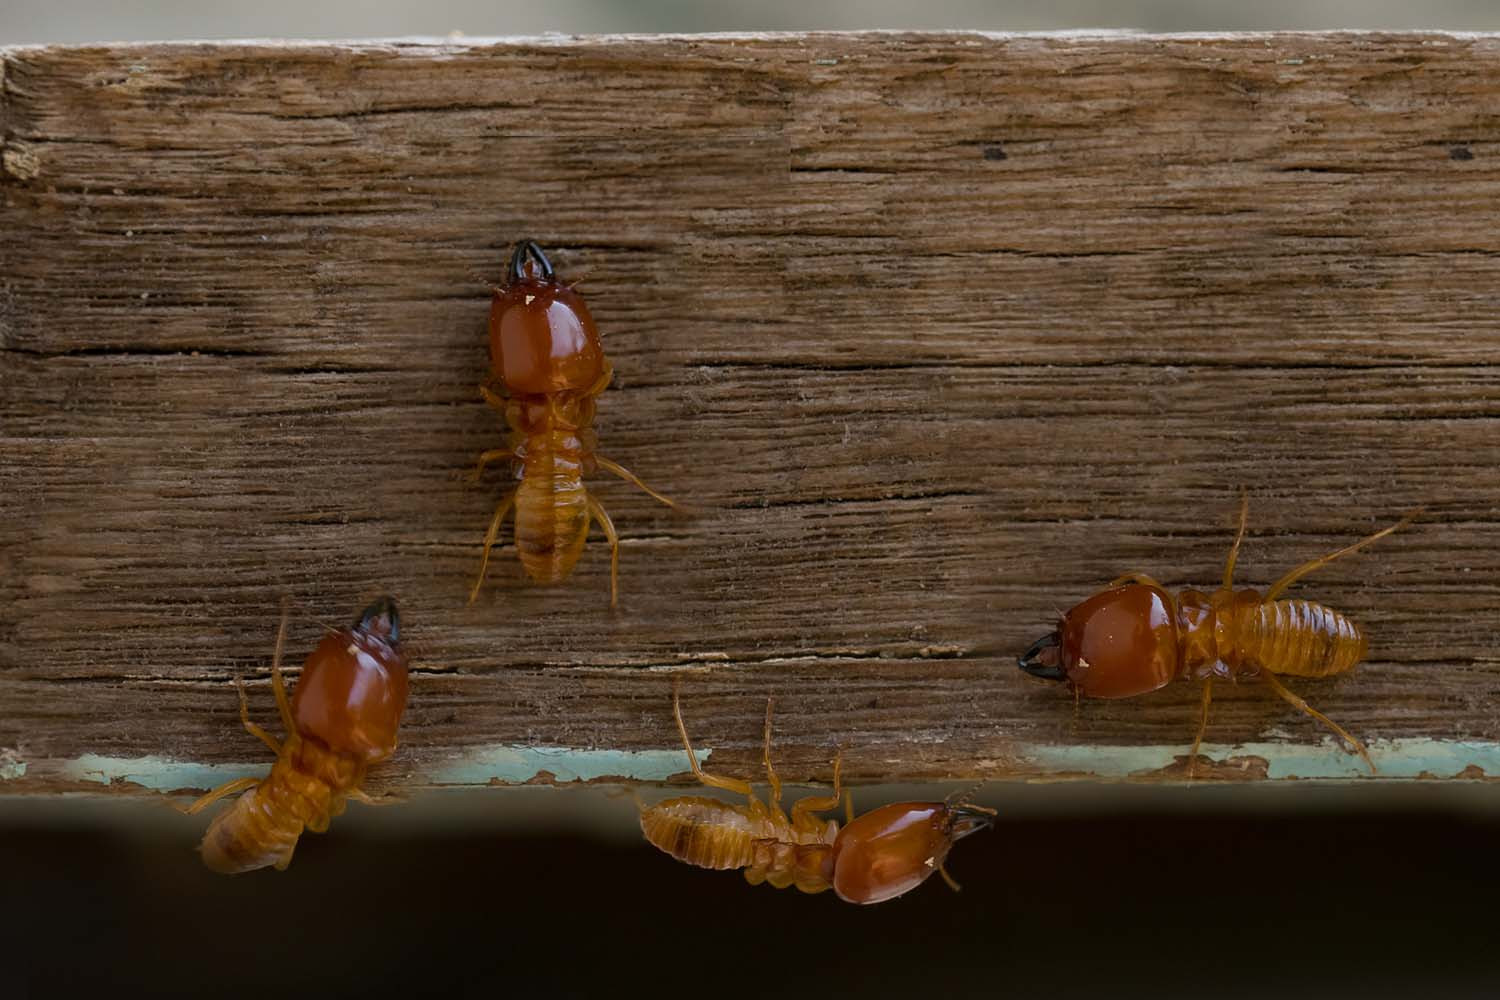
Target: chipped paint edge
<point>12,767</point>
<point>1401,758</point>
<point>517,764</point>
<point>162,774</point>
<point>505,764</point>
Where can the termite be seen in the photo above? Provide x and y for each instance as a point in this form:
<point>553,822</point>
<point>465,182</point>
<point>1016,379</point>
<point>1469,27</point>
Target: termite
<point>342,719</point>
<point>880,855</point>
<point>1133,637</point>
<point>546,357</point>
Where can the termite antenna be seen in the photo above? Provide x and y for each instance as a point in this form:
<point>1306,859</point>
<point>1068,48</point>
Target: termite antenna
<point>516,271</point>
<point>484,280</point>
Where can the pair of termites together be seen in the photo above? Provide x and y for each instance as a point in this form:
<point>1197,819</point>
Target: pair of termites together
<point>547,358</point>
<point>347,707</point>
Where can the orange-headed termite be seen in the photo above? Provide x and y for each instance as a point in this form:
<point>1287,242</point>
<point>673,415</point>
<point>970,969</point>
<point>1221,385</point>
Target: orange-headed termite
<point>1134,637</point>
<point>342,719</point>
<point>878,856</point>
<point>548,362</point>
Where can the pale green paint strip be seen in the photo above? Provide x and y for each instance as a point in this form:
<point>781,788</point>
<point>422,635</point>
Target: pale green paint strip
<point>508,764</point>
<point>1395,758</point>
<point>11,766</point>
<point>160,773</point>
<point>519,764</point>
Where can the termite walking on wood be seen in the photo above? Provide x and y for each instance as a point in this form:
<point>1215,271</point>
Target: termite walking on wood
<point>1134,637</point>
<point>878,856</point>
<point>546,356</point>
<point>342,719</point>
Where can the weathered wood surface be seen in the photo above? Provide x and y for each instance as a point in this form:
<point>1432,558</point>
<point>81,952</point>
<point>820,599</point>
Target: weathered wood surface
<point>938,333</point>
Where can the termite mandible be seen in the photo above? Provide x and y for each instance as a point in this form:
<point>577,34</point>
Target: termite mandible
<point>1134,637</point>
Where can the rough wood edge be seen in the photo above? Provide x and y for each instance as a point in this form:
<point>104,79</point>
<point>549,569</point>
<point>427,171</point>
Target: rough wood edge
<point>464,42</point>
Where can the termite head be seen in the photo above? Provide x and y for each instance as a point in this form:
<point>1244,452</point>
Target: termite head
<point>894,849</point>
<point>1119,643</point>
<point>353,687</point>
<point>542,338</point>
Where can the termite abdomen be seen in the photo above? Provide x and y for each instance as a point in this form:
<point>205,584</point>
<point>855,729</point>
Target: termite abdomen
<point>702,832</point>
<point>1303,639</point>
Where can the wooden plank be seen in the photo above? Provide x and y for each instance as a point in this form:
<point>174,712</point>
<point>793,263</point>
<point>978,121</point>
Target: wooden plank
<point>937,332</point>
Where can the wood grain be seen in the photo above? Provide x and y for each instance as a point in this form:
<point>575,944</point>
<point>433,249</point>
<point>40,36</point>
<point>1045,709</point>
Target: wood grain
<point>936,332</point>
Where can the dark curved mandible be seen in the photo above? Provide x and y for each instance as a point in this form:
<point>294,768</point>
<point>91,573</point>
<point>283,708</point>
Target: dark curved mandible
<point>1031,660</point>
<point>518,262</point>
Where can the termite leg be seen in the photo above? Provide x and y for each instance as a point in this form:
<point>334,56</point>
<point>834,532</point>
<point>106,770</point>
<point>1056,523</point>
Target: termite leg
<point>251,727</point>
<point>364,798</point>
<point>228,788</point>
<point>630,477</point>
<point>1208,693</point>
<point>486,457</point>
<point>803,808</point>
<point>286,859</point>
<point>278,685</point>
<point>1234,550</point>
<point>597,511</point>
<point>1298,703</point>
<point>712,781</point>
<point>1310,565</point>
<point>489,542</point>
<point>949,879</point>
<point>772,778</point>
<point>1135,578</point>
<point>493,398</point>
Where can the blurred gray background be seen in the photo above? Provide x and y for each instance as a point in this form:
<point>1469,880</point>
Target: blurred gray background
<point>37,21</point>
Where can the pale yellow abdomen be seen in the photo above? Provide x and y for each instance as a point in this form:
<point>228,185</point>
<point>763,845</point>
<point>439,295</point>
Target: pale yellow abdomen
<point>552,514</point>
<point>1301,639</point>
<point>305,789</point>
<point>704,832</point>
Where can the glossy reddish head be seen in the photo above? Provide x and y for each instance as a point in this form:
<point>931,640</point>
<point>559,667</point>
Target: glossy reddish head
<point>893,849</point>
<point>1119,643</point>
<point>542,338</point>
<point>353,686</point>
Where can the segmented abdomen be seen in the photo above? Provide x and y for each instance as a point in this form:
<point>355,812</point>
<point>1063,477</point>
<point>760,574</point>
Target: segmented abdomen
<point>1302,639</point>
<point>704,832</point>
<point>262,826</point>
<point>552,514</point>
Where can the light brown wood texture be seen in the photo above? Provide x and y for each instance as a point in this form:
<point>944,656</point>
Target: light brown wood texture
<point>937,333</point>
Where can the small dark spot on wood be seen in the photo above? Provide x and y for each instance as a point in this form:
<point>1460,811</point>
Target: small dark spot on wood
<point>994,152</point>
<point>1460,153</point>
